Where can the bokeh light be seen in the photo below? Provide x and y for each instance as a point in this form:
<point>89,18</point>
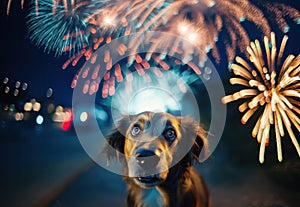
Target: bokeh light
<point>39,119</point>
<point>83,116</point>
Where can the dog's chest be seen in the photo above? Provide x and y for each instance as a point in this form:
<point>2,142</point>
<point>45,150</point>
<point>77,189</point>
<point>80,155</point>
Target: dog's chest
<point>152,198</point>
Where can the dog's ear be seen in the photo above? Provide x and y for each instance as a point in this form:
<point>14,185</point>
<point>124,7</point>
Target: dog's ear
<point>116,139</point>
<point>195,131</point>
<point>200,149</point>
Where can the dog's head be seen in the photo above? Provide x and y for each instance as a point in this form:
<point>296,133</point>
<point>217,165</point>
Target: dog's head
<point>155,142</point>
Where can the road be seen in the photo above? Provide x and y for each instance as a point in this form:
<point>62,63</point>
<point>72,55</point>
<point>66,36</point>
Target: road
<point>42,165</point>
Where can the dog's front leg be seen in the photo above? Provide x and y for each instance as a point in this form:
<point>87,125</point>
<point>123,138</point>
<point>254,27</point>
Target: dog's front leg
<point>146,198</point>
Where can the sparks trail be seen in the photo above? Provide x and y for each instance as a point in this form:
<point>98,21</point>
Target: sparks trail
<point>146,69</point>
<point>61,27</point>
<point>272,85</point>
<point>89,24</point>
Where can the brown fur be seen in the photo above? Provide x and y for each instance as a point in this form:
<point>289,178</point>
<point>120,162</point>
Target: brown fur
<point>178,184</point>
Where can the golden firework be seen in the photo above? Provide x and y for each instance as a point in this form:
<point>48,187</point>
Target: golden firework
<point>274,86</point>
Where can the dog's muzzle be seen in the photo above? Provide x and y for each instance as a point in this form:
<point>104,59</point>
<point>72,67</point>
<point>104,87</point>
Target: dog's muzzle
<point>147,160</point>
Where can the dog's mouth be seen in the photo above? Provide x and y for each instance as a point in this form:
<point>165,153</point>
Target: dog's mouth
<point>148,181</point>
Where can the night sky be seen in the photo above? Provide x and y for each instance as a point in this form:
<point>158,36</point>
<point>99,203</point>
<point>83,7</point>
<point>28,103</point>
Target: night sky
<point>22,61</point>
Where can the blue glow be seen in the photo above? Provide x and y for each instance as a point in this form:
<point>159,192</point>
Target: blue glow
<point>230,65</point>
<point>242,19</point>
<point>187,59</point>
<point>208,48</point>
<point>270,45</point>
<point>102,115</point>
<point>286,29</point>
<point>39,119</point>
<point>163,94</point>
<point>163,56</point>
<point>212,3</point>
<point>152,99</point>
<point>138,25</point>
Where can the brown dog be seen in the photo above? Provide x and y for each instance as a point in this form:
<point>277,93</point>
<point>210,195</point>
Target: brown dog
<point>159,150</point>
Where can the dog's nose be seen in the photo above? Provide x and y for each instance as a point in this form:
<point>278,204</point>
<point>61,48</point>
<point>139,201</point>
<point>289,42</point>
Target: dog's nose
<point>146,158</point>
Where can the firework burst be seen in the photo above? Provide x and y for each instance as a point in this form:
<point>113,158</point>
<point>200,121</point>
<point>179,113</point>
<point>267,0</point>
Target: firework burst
<point>81,27</point>
<point>205,23</point>
<point>62,27</point>
<point>272,86</point>
<point>119,64</point>
<point>200,23</point>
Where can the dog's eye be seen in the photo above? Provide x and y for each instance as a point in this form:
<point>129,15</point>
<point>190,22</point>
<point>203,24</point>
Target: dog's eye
<point>170,134</point>
<point>135,130</point>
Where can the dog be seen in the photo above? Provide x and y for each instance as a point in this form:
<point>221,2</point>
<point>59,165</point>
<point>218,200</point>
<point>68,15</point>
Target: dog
<point>157,151</point>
